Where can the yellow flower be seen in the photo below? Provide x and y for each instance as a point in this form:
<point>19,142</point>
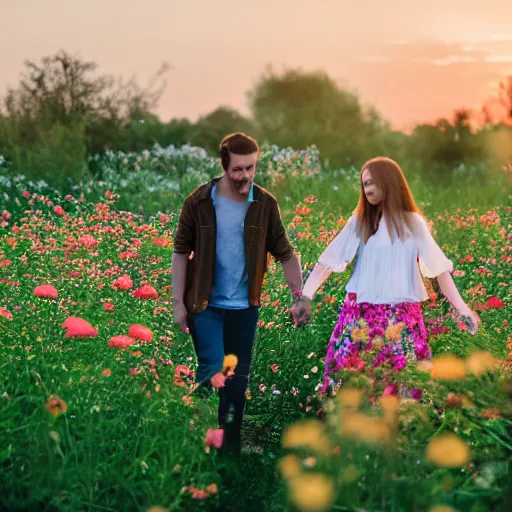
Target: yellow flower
<point>312,492</point>
<point>289,466</point>
<point>230,362</point>
<point>156,509</point>
<point>364,427</point>
<point>442,508</point>
<point>480,362</point>
<point>394,331</point>
<point>448,451</point>
<point>309,433</point>
<point>359,334</point>
<point>448,367</point>
<point>350,397</point>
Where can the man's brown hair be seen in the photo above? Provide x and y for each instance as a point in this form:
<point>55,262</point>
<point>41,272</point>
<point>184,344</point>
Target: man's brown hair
<point>237,143</point>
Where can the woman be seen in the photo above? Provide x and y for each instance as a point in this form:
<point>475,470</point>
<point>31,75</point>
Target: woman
<point>382,310</point>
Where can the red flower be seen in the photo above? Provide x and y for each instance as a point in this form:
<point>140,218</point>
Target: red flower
<point>120,341</point>
<point>78,328</point>
<point>140,332</point>
<point>495,302</point>
<point>26,194</point>
<point>46,290</point>
<point>162,242</point>
<point>74,274</point>
<point>5,263</point>
<point>108,307</point>
<point>59,210</point>
<point>145,292</point>
<point>124,282</point>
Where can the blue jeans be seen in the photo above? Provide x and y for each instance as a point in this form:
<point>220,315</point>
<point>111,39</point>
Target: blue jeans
<point>217,332</point>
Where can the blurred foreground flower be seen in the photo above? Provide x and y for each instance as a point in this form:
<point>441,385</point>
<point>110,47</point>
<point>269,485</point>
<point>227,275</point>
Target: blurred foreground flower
<point>309,433</point>
<point>311,492</point>
<point>448,451</point>
<point>140,332</point>
<point>120,341</point>
<point>46,290</point>
<point>448,367</point>
<point>214,437</point>
<point>56,405</point>
<point>481,362</point>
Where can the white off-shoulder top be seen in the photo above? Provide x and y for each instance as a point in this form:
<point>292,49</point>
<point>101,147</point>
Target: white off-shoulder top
<point>386,271</point>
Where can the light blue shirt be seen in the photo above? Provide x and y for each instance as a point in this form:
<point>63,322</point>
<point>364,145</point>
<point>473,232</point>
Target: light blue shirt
<point>230,287</point>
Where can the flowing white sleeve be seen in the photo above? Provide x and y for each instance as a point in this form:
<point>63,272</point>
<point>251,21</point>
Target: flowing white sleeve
<point>432,259</point>
<point>343,248</point>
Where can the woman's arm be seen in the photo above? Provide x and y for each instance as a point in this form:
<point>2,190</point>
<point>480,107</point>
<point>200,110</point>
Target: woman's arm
<point>450,291</point>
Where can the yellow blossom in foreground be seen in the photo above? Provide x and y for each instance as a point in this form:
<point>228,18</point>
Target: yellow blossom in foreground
<point>448,451</point>
<point>481,362</point>
<point>364,427</point>
<point>350,397</point>
<point>309,433</point>
<point>312,492</point>
<point>442,508</point>
<point>289,466</point>
<point>448,367</point>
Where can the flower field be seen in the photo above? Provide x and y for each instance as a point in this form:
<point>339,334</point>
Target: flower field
<point>93,373</point>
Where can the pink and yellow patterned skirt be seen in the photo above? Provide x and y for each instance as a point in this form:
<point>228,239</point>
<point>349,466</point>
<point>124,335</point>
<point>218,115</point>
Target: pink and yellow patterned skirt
<point>372,336</point>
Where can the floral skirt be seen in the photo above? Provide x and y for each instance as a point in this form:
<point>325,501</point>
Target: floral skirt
<point>374,336</point>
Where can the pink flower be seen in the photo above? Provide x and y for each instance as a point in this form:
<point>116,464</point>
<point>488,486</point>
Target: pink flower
<point>391,389</point>
<point>5,313</point>
<point>59,210</point>
<point>108,307</point>
<point>417,394</point>
<point>5,263</point>
<point>124,282</point>
<point>140,332</point>
<point>88,241</point>
<point>26,194</point>
<point>120,341</point>
<point>78,328</point>
<point>46,290</point>
<point>214,437</point>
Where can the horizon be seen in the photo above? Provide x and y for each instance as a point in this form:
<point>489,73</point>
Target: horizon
<point>424,68</point>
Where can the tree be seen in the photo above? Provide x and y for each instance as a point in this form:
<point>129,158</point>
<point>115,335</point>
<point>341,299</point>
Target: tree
<point>212,128</point>
<point>299,109</point>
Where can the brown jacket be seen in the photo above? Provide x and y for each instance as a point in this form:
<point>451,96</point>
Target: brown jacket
<point>196,232</point>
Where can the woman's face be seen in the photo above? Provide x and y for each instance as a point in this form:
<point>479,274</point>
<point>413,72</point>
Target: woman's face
<point>372,192</point>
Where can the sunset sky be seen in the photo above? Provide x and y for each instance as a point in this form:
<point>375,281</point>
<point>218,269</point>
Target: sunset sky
<point>412,63</point>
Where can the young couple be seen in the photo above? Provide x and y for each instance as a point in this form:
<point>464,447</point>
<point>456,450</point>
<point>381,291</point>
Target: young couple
<point>229,225</point>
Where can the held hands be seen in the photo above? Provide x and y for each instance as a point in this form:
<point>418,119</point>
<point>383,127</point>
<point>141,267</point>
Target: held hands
<point>301,310</point>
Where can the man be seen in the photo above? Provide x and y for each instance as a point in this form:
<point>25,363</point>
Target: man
<point>225,230</point>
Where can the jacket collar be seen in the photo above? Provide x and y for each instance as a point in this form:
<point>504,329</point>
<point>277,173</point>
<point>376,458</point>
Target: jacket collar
<point>205,192</point>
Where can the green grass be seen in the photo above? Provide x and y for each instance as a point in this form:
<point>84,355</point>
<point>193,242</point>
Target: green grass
<point>127,441</point>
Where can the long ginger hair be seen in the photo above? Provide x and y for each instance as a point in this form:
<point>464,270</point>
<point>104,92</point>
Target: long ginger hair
<point>397,199</point>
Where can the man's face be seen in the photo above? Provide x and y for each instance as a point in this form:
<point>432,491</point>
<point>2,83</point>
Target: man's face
<point>241,171</point>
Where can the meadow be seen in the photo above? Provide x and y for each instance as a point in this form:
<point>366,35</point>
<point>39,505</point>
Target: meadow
<point>92,411</point>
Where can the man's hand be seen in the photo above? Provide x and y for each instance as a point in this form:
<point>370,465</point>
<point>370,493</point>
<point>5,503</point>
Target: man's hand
<point>218,380</point>
<point>301,310</point>
<point>180,316</point>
